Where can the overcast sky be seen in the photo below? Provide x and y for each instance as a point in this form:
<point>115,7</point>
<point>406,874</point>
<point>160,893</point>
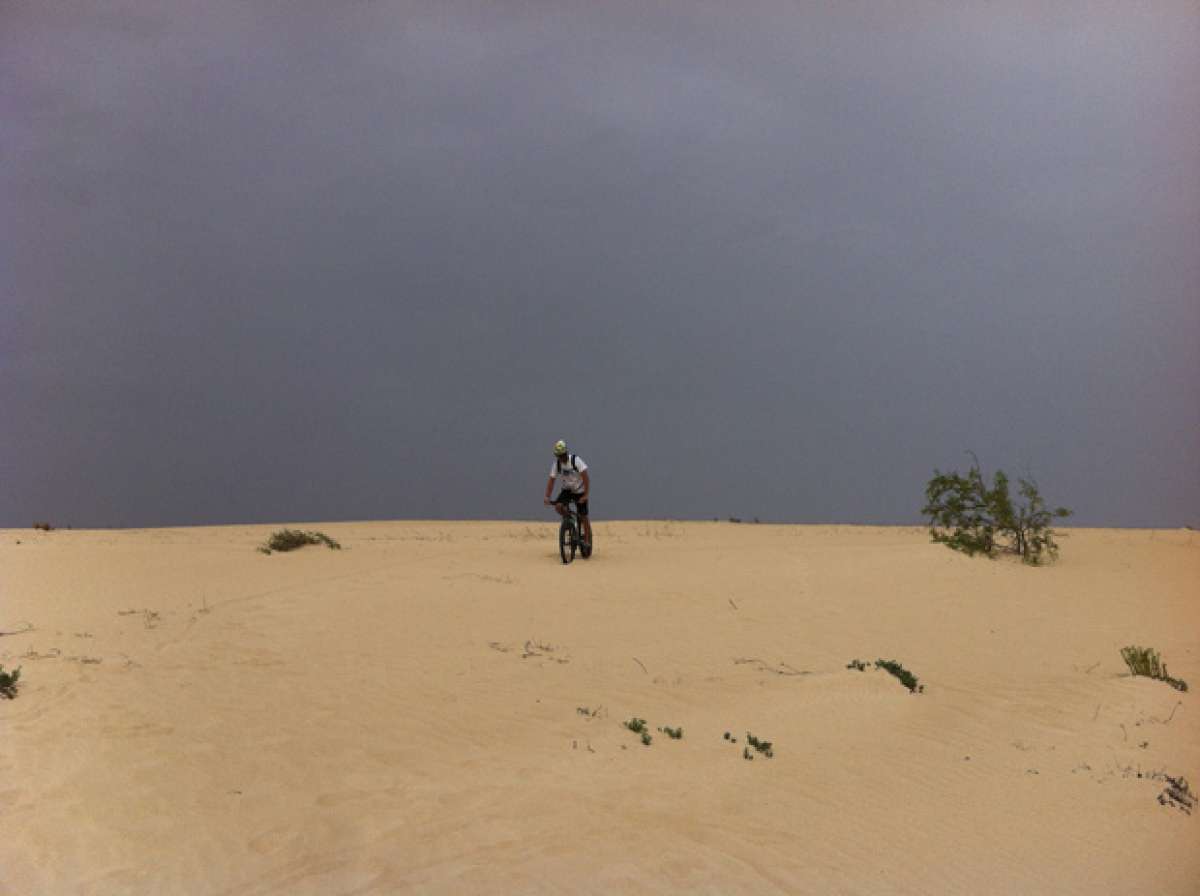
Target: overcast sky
<point>298,261</point>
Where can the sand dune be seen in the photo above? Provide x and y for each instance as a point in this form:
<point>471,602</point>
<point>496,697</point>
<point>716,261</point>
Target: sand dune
<point>438,708</point>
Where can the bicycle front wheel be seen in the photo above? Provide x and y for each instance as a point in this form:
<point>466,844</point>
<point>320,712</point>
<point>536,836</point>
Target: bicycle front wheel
<point>567,539</point>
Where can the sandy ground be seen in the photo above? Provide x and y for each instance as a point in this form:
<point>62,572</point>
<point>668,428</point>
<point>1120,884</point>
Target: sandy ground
<point>439,708</point>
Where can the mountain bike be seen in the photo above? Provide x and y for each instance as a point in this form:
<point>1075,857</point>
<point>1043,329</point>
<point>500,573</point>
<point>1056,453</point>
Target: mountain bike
<point>571,537</point>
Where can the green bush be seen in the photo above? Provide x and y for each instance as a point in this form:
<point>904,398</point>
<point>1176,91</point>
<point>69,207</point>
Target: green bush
<point>906,678</point>
<point>8,682</point>
<point>290,539</point>
<point>965,515</point>
<point>1146,661</point>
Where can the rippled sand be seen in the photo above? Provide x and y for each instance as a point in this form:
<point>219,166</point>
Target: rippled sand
<point>439,708</point>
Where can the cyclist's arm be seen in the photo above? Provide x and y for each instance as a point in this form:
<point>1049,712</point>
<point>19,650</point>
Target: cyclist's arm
<point>587,485</point>
<point>549,487</point>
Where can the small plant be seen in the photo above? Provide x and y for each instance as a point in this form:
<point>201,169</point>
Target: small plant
<point>856,664</point>
<point>290,539</point>
<point>906,678</point>
<point>636,725</point>
<point>1178,794</point>
<point>8,682</point>
<point>763,746</point>
<point>45,527</point>
<point>673,733</point>
<point>746,754</point>
<point>1145,661</point>
<point>646,738</point>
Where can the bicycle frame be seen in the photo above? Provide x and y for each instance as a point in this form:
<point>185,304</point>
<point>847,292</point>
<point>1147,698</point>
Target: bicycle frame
<point>570,534</point>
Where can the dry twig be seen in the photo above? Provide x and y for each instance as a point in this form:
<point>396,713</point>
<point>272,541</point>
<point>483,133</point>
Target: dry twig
<point>784,668</point>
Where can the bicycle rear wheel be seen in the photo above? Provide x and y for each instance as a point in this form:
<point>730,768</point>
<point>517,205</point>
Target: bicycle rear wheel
<point>566,539</point>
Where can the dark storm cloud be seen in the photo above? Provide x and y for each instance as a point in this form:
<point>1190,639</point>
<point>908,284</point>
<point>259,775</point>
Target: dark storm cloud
<point>368,260</point>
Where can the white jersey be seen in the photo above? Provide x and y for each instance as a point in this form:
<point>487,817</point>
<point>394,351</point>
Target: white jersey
<point>569,477</point>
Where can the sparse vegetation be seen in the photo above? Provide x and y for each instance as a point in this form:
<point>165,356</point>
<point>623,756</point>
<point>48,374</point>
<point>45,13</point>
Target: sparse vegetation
<point>45,527</point>
<point>906,678</point>
<point>763,746</point>
<point>638,726</point>
<point>1145,661</point>
<point>1178,794</point>
<point>8,682</point>
<point>965,515</point>
<point>673,733</point>
<point>290,539</point>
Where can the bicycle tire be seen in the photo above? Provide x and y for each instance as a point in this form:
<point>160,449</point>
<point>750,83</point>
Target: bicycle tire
<point>566,539</point>
<point>585,545</point>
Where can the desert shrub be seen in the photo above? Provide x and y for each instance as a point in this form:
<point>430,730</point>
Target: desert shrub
<point>45,527</point>
<point>856,664</point>
<point>1178,794</point>
<point>1146,661</point>
<point>290,539</point>
<point>763,746</point>
<point>638,726</point>
<point>673,733</point>
<point>906,678</point>
<point>966,515</point>
<point>8,682</point>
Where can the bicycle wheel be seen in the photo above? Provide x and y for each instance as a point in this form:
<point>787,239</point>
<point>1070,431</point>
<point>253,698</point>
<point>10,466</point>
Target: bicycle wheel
<point>566,539</point>
<point>585,544</point>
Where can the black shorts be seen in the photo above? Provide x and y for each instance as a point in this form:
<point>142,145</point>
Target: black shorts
<point>566,497</point>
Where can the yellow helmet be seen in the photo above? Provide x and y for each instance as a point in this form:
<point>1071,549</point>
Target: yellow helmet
<point>560,448</point>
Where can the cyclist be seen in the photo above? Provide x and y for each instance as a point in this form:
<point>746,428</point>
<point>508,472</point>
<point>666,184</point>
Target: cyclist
<point>571,472</point>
